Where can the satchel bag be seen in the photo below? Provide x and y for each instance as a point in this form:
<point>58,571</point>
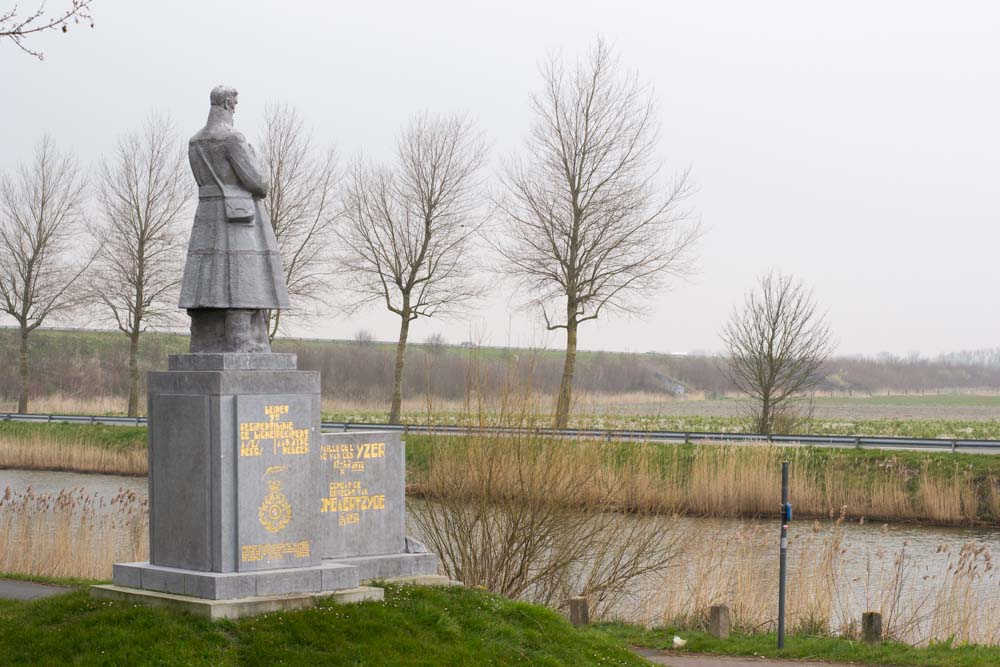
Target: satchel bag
<point>239,203</point>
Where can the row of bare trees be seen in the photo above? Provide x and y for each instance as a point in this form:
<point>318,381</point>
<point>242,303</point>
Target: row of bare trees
<point>583,221</point>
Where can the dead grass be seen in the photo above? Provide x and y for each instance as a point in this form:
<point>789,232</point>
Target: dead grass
<point>60,404</point>
<point>39,452</point>
<point>738,567</point>
<point>732,481</point>
<point>71,534</point>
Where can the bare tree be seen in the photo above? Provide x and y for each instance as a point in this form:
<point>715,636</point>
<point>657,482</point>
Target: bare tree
<point>407,227</point>
<point>775,346</point>
<point>41,213</point>
<point>590,228</point>
<point>18,27</point>
<point>301,204</point>
<point>143,191</point>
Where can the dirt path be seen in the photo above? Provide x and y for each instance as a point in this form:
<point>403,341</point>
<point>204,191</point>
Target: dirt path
<point>671,659</point>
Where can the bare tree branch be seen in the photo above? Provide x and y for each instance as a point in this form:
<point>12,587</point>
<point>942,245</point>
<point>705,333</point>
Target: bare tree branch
<point>41,213</point>
<point>143,191</point>
<point>406,232</point>
<point>17,26</point>
<point>301,204</point>
<point>590,227</point>
<point>775,347</point>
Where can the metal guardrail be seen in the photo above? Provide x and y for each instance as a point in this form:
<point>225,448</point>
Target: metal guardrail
<point>867,442</point>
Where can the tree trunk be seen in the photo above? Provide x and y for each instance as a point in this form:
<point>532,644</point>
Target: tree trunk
<point>397,378</point>
<point>764,427</point>
<point>273,320</point>
<point>133,374</point>
<point>569,367</point>
<point>22,399</point>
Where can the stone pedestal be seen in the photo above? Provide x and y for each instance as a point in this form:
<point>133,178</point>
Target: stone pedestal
<point>248,499</point>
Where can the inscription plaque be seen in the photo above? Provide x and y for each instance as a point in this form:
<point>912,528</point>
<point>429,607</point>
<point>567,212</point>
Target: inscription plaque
<point>275,438</point>
<point>361,505</point>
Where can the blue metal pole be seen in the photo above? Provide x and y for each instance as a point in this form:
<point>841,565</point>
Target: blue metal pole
<point>786,517</point>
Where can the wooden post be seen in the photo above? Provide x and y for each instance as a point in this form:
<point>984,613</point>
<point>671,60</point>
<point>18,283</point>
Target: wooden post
<point>579,611</point>
<point>718,621</point>
<point>871,627</point>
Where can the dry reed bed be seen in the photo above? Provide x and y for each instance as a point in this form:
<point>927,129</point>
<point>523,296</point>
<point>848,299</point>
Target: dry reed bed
<point>735,481</point>
<point>39,452</point>
<point>825,593</point>
<point>72,533</point>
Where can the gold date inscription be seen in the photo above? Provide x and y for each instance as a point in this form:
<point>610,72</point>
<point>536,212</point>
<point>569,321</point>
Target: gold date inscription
<point>282,436</point>
<point>347,457</point>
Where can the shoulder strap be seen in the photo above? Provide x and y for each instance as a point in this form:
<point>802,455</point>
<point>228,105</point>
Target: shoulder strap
<point>208,164</point>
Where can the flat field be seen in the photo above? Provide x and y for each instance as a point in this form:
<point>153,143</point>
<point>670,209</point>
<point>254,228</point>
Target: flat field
<point>968,416</point>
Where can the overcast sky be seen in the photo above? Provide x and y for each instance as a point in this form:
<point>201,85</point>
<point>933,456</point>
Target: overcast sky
<point>853,144</point>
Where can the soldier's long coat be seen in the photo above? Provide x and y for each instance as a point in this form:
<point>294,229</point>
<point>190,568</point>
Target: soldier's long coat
<point>230,264</point>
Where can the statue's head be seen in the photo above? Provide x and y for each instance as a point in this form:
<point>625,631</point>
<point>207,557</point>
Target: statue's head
<point>225,97</point>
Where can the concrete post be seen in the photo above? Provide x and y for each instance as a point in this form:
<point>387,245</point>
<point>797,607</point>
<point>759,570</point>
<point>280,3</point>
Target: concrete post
<point>579,611</point>
<point>871,627</point>
<point>718,621</point>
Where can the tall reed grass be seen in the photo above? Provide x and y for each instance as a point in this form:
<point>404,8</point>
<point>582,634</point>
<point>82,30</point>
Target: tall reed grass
<point>828,587</point>
<point>41,451</point>
<point>744,481</point>
<point>72,533</point>
<point>73,404</point>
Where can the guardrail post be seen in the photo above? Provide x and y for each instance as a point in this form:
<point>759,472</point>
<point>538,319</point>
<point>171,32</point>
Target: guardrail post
<point>954,446</point>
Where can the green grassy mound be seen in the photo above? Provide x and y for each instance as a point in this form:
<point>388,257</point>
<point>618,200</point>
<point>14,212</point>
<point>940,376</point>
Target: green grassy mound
<point>414,626</point>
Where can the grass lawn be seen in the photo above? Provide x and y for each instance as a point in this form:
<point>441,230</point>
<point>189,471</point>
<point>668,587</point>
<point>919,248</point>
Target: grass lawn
<point>414,626</point>
<point>810,648</point>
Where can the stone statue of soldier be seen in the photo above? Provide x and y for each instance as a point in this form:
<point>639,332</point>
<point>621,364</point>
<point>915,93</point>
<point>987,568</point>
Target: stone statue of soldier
<point>233,273</point>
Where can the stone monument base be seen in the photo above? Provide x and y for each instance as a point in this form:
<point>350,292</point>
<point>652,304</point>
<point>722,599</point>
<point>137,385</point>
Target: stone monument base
<point>237,595</point>
<point>237,608</point>
<point>328,577</point>
<point>252,507</point>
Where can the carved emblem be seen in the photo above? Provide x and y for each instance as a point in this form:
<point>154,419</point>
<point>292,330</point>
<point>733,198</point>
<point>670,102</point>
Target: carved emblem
<point>275,512</point>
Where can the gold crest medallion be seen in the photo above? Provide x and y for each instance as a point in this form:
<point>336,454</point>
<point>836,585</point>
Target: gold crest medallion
<point>275,512</point>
